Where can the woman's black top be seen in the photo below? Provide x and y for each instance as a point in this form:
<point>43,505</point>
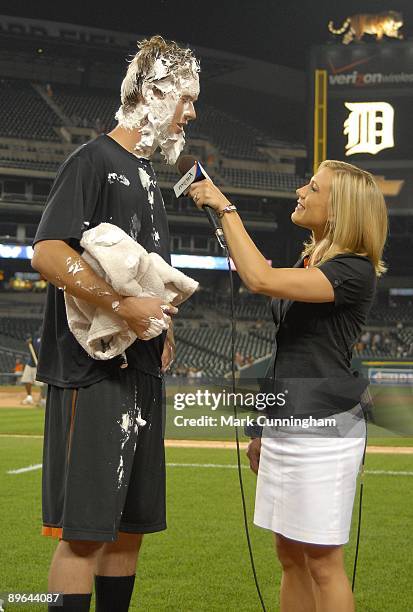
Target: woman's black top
<point>312,355</point>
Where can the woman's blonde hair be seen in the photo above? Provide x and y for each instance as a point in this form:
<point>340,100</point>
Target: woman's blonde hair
<point>357,220</point>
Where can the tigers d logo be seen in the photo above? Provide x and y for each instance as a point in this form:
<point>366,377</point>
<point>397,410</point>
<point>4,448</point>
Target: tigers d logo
<point>369,127</point>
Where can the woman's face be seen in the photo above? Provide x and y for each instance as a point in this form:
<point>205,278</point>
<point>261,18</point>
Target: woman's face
<point>311,211</point>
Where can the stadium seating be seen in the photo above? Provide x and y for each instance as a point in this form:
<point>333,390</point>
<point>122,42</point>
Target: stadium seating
<point>203,334</point>
<point>23,113</point>
<point>256,179</point>
<point>250,309</point>
<point>382,342</point>
<point>19,328</point>
<point>386,315</point>
<point>208,348</point>
<point>233,138</point>
<point>30,164</point>
<point>91,108</point>
<point>7,361</point>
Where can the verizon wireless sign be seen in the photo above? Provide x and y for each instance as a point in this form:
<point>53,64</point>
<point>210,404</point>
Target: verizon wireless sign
<point>369,78</point>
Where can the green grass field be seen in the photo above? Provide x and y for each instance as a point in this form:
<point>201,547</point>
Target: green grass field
<point>201,562</point>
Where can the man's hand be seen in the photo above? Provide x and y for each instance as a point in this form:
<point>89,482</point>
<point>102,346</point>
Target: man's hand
<point>169,350</point>
<point>253,454</point>
<point>168,356</point>
<point>137,312</point>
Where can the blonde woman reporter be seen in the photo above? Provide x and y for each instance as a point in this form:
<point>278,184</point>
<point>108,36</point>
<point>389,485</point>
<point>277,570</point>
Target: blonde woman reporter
<point>306,484</point>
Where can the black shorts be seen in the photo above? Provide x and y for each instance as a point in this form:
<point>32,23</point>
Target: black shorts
<point>103,469</point>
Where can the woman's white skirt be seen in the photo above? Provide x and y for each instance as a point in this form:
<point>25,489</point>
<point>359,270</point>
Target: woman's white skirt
<point>306,485</point>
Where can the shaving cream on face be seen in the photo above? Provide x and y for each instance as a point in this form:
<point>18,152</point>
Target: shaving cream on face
<point>162,91</point>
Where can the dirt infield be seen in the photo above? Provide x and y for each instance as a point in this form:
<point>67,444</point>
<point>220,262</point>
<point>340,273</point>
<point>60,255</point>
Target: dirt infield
<point>13,400</point>
<point>12,397</point>
<point>395,450</point>
<point>384,450</point>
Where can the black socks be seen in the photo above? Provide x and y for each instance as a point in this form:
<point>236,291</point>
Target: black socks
<point>113,593</point>
<point>74,603</point>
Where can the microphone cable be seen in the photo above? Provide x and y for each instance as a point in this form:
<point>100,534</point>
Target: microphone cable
<point>241,483</point>
<point>360,504</point>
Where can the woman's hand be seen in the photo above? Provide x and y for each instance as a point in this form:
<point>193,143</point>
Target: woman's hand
<point>206,193</point>
<point>253,454</point>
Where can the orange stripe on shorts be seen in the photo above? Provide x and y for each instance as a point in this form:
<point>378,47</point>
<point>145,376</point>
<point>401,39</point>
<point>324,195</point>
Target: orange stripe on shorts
<point>52,532</point>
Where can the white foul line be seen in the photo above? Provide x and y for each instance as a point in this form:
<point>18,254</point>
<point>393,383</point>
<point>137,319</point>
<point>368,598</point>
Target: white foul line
<point>388,473</point>
<point>29,468</point>
<point>37,466</point>
<point>207,465</point>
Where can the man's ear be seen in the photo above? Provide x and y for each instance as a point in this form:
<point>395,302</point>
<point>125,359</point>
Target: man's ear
<point>132,101</point>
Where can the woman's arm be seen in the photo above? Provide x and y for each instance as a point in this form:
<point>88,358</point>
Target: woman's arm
<point>303,285</point>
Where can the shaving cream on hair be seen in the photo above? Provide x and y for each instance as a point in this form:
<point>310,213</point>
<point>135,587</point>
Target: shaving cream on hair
<point>161,92</point>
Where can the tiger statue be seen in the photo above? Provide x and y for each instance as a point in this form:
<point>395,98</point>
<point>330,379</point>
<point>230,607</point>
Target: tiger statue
<point>380,24</point>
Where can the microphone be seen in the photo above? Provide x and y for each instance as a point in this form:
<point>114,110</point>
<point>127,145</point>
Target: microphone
<point>192,172</point>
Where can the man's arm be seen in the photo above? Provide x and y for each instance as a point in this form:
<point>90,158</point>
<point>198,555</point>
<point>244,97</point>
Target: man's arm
<point>66,269</point>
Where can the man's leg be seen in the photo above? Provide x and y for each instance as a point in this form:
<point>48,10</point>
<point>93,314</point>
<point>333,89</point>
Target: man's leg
<point>28,400</point>
<point>71,572</point>
<point>144,507</point>
<point>119,558</point>
<point>115,572</point>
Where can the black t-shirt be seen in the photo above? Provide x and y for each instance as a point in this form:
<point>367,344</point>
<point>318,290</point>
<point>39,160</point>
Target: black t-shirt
<point>100,182</point>
<point>314,341</point>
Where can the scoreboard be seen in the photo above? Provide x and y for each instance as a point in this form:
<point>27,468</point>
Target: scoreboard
<point>362,113</point>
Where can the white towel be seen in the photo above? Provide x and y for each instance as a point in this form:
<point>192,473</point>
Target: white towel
<point>127,267</point>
